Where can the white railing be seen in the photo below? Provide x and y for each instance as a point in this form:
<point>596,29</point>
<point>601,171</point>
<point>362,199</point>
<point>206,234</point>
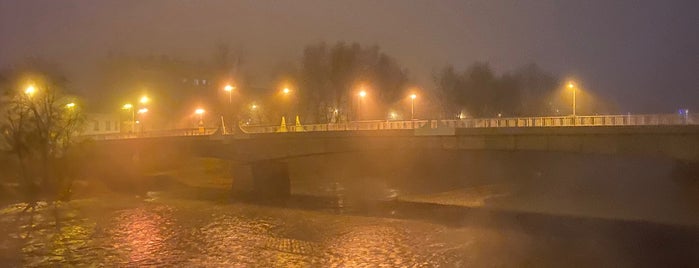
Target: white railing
<point>554,121</point>
<point>358,125</point>
<point>155,133</point>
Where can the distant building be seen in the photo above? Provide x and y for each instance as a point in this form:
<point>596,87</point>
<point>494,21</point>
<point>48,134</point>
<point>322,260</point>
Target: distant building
<point>96,124</point>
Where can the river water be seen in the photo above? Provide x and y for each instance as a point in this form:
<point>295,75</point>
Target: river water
<point>186,233</point>
<point>434,222</point>
<point>123,231</point>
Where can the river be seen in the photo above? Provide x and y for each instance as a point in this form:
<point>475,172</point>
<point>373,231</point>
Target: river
<point>324,225</point>
<point>120,231</point>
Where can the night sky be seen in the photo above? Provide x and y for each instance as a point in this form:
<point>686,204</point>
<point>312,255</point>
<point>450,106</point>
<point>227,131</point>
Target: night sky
<point>643,55</point>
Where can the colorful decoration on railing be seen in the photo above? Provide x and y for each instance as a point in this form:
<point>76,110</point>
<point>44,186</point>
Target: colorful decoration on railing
<point>282,128</point>
<point>298,127</point>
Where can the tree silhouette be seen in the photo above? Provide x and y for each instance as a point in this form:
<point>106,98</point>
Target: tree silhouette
<point>38,125</point>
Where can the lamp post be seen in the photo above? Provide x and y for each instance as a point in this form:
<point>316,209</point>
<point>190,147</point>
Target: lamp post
<point>288,105</point>
<point>572,87</point>
<point>229,89</point>
<point>128,106</point>
<point>361,96</point>
<point>200,112</point>
<point>141,112</point>
<point>253,112</point>
<point>412,106</point>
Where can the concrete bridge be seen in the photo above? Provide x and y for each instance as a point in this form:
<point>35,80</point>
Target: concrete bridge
<point>259,158</point>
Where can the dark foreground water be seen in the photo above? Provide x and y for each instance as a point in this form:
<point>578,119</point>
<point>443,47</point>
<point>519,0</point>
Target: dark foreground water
<point>123,231</point>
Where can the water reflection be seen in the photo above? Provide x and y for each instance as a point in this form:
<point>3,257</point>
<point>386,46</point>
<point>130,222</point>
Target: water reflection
<point>231,239</point>
<point>126,232</point>
<point>143,234</point>
<point>378,245</point>
<point>40,238</point>
<point>193,233</point>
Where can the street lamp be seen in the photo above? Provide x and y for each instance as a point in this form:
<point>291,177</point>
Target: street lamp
<point>253,112</point>
<point>361,96</point>
<point>30,90</point>
<point>393,115</point>
<point>572,87</point>
<point>141,112</point>
<point>289,106</point>
<point>229,89</point>
<point>128,106</point>
<point>70,105</point>
<point>144,100</point>
<point>412,106</point>
<point>200,112</point>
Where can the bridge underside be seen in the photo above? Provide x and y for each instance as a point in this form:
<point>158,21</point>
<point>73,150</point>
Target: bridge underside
<point>260,158</point>
<point>268,178</point>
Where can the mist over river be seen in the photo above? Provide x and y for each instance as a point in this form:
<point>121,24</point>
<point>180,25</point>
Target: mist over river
<point>377,209</point>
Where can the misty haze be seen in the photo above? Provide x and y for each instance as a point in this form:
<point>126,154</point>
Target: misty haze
<point>349,133</point>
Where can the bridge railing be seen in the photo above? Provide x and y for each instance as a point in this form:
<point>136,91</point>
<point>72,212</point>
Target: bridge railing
<point>357,125</point>
<point>155,133</point>
<point>552,121</point>
<point>559,121</point>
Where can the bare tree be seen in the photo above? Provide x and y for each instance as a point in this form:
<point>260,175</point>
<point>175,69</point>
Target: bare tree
<point>330,76</point>
<point>38,126</point>
<point>482,93</point>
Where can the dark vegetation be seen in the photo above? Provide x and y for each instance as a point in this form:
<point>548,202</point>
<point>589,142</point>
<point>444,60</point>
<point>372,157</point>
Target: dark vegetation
<point>39,130</point>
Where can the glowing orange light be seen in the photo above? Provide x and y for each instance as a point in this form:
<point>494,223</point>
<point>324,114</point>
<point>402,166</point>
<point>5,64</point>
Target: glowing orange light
<point>30,90</point>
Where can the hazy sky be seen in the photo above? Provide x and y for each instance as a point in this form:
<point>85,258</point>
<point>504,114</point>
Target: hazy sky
<point>644,55</point>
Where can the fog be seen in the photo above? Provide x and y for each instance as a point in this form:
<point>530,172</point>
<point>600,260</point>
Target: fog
<point>194,167</point>
<point>629,188</point>
<point>627,51</point>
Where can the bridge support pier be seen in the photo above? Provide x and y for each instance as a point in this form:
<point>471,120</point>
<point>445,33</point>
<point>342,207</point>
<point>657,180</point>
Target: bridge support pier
<point>268,179</point>
<point>687,171</point>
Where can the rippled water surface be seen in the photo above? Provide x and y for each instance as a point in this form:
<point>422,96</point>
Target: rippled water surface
<point>185,233</point>
<point>128,232</point>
